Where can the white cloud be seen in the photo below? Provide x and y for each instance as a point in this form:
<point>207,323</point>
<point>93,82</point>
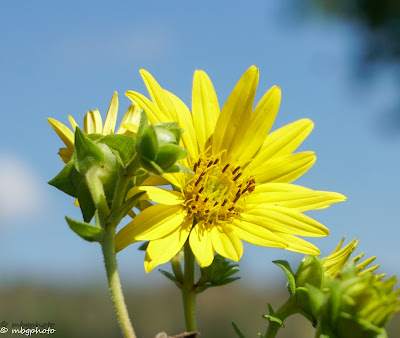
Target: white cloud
<point>21,195</point>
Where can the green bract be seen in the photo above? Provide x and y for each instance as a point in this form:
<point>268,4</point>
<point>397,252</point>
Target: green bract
<point>157,147</point>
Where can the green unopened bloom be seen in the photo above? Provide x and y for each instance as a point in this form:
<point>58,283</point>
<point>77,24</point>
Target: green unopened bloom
<point>157,147</point>
<point>93,124</point>
<point>316,273</point>
<point>354,306</point>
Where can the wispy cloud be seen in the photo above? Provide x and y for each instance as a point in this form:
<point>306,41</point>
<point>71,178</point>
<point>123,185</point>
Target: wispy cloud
<point>21,195</point>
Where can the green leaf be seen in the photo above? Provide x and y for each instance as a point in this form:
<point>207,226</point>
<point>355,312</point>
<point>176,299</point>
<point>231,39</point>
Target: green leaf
<point>271,310</point>
<point>170,276</point>
<point>66,180</point>
<point>123,210</point>
<point>85,202</point>
<point>86,231</point>
<point>289,274</point>
<point>86,153</point>
<point>274,319</point>
<point>238,332</point>
<point>123,144</point>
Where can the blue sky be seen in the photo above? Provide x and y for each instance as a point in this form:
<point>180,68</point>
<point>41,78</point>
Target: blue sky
<point>61,58</point>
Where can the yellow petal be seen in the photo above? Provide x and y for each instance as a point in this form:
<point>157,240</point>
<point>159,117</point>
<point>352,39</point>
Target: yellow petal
<point>152,223</point>
<point>158,195</point>
<point>131,117</point>
<point>279,219</point>
<point>111,118</point>
<point>159,96</point>
<point>66,135</point>
<point>205,108</point>
<point>92,122</point>
<point>261,122</point>
<point>297,244</point>
<point>161,251</point>
<point>283,141</point>
<point>292,196</point>
<point>284,169</point>
<point>258,235</point>
<point>235,115</point>
<point>72,122</point>
<point>152,112</point>
<point>185,121</point>
<point>65,154</point>
<point>200,243</point>
<point>155,180</point>
<point>226,242</point>
<point>176,179</point>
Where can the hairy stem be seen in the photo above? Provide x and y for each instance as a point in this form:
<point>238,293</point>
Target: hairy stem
<point>114,283</point>
<point>188,293</point>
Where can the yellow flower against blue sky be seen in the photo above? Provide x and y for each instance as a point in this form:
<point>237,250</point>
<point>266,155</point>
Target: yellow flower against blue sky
<point>241,187</point>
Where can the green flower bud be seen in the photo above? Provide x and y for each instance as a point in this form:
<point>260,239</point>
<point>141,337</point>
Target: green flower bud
<point>157,147</point>
<point>219,273</point>
<point>354,306</point>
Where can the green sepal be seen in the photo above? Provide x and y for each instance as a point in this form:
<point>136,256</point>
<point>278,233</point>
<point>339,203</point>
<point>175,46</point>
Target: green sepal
<point>303,303</point>
<point>66,180</point>
<point>217,274</point>
<point>289,274</point>
<point>152,166</point>
<point>123,144</point>
<point>310,272</point>
<point>85,202</point>
<point>86,231</point>
<point>147,144</point>
<point>170,276</point>
<point>178,168</point>
<point>86,153</point>
<point>123,210</point>
<point>144,122</point>
<point>316,298</point>
<point>167,135</point>
<point>143,246</point>
<point>237,330</point>
<point>168,154</point>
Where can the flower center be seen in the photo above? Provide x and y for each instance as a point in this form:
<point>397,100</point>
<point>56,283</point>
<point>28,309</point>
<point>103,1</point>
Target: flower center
<point>215,191</point>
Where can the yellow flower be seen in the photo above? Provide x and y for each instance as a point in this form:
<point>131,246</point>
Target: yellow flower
<point>240,189</point>
<point>93,124</point>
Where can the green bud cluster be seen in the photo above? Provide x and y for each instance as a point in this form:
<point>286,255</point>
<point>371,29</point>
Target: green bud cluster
<point>354,306</point>
<point>348,303</point>
<point>99,162</point>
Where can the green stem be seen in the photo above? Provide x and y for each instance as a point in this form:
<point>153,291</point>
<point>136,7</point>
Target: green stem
<point>114,283</point>
<point>124,176</point>
<point>188,293</point>
<point>284,311</point>
<point>97,191</point>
